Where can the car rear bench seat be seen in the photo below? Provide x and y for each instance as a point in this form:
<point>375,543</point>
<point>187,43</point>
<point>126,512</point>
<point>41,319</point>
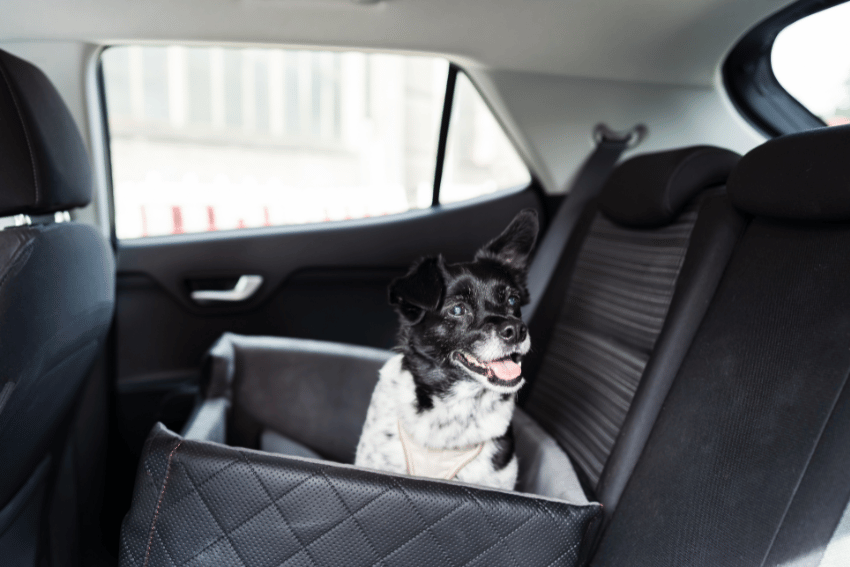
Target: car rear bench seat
<point>264,384</point>
<point>748,462</point>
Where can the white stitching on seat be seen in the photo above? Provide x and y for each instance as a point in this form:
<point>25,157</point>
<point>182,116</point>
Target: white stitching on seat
<point>159,503</point>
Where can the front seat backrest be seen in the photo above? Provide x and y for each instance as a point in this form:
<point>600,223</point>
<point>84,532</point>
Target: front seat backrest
<point>56,299</point>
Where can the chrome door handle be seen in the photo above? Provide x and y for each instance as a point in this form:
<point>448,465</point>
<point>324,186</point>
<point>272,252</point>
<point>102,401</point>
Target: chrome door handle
<point>244,289</point>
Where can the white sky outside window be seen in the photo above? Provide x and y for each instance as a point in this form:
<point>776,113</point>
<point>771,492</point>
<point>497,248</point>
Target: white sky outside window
<point>811,60</point>
<point>479,157</point>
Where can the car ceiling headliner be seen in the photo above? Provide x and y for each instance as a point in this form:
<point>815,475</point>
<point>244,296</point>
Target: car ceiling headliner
<point>658,41</point>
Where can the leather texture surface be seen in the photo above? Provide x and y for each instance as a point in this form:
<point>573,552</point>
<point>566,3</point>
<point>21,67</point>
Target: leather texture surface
<point>315,393</point>
<point>796,177</point>
<point>206,504</point>
<point>44,166</point>
<point>615,306</point>
<point>651,190</point>
<point>744,419</point>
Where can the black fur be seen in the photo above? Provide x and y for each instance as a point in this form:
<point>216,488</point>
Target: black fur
<point>419,291</point>
<point>505,449</point>
<point>429,333</point>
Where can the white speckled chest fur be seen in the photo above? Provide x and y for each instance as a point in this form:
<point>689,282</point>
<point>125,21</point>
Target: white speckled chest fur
<point>443,406</point>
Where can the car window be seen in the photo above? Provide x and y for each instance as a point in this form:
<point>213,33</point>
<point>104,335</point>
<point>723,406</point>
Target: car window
<point>479,157</point>
<point>212,138</point>
<point>811,60</point>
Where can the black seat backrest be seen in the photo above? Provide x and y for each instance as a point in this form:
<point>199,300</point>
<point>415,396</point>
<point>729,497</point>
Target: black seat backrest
<point>56,303</point>
<point>748,463</point>
<point>637,276</point>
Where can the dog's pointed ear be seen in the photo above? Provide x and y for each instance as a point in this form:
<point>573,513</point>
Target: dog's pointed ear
<point>420,291</point>
<point>516,242</point>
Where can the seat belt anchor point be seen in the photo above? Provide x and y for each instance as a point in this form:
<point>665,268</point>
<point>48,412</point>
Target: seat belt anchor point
<point>632,137</point>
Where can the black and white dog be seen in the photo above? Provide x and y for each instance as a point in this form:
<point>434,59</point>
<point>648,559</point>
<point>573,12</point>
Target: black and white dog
<point>442,408</point>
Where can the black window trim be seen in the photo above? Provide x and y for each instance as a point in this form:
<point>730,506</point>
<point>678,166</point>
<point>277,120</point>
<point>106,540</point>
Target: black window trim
<point>445,122</point>
<point>106,136</point>
<point>751,84</point>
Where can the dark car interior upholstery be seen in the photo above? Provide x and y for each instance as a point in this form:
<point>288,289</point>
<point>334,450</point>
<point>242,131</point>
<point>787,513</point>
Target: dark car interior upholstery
<point>597,329</point>
<point>218,505</point>
<point>688,399</point>
<point>57,288</point>
<point>742,459</point>
<point>308,398</point>
<point>301,396</point>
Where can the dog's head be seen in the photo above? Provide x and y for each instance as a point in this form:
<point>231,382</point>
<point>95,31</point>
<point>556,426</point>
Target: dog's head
<point>463,321</point>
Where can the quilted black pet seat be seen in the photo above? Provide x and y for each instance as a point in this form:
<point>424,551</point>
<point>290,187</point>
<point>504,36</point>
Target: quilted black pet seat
<point>199,501</point>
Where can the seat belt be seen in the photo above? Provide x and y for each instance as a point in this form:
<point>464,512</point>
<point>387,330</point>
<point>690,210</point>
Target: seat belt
<point>610,145</point>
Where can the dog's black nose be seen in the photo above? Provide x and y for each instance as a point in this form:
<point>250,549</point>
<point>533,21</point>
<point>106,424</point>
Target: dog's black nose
<point>513,331</point>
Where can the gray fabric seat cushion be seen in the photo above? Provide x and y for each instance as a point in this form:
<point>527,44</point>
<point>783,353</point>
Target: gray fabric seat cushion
<point>273,442</point>
<point>544,468</point>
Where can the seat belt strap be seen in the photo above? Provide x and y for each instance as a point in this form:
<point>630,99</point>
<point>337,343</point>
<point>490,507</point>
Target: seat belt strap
<point>596,169</point>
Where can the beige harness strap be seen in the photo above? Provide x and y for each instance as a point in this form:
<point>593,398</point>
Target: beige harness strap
<point>435,463</point>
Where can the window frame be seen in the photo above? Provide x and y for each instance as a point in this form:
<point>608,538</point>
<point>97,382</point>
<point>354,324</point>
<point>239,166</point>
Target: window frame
<point>752,86</point>
<point>445,123</point>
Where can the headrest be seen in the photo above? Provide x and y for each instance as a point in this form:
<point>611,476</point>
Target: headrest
<point>802,176</point>
<point>651,190</point>
<point>44,166</point>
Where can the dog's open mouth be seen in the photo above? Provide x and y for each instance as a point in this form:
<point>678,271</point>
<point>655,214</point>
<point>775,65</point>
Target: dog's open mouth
<point>503,372</point>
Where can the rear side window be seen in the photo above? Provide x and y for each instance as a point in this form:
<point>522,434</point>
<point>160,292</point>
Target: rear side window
<point>479,157</point>
<point>214,138</point>
<point>811,60</point>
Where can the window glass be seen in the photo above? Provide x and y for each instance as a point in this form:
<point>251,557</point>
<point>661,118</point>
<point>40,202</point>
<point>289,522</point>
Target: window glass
<point>811,60</point>
<point>211,138</point>
<point>479,157</point>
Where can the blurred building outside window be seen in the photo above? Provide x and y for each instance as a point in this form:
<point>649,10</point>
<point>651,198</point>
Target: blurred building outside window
<point>213,138</point>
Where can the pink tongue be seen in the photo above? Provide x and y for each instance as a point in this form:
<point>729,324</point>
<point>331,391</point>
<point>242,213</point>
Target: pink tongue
<point>505,369</point>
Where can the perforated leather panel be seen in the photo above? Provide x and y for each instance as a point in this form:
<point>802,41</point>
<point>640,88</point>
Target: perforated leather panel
<point>613,312</point>
<point>206,504</point>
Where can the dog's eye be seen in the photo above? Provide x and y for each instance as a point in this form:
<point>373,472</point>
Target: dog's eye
<point>457,310</point>
<point>513,300</point>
